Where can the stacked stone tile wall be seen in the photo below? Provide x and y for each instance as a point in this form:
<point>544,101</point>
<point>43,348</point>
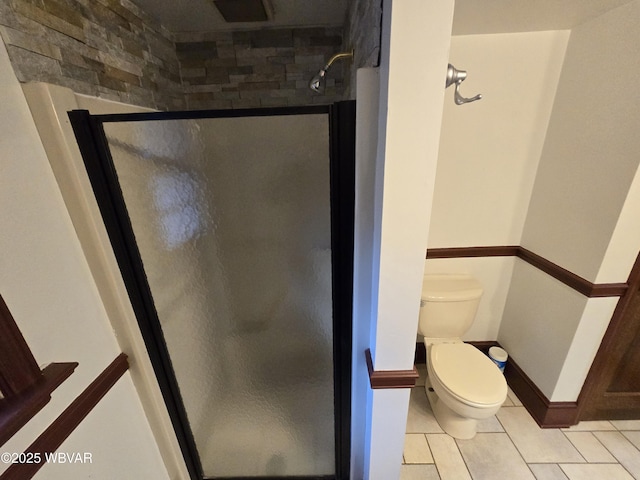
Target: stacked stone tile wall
<point>104,48</point>
<point>362,31</point>
<point>259,68</point>
<point>113,49</point>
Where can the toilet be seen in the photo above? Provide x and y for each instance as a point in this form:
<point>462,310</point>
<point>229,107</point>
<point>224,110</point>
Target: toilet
<point>463,385</point>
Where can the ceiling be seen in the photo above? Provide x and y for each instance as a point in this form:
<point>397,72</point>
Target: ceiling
<point>471,16</point>
<point>508,16</point>
<point>202,16</point>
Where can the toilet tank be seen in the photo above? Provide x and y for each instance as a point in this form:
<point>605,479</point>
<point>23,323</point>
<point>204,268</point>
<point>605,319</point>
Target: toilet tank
<point>449,304</point>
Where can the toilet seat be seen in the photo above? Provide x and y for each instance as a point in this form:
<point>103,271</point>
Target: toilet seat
<point>467,374</point>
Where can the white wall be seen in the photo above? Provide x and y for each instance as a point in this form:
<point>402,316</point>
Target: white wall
<point>623,246</point>
<point>489,154</point>
<point>368,88</point>
<point>590,153</point>
<point>583,211</point>
<point>410,109</point>
<point>490,149</point>
<point>408,136</point>
<point>586,340</point>
<point>48,287</point>
<point>540,320</point>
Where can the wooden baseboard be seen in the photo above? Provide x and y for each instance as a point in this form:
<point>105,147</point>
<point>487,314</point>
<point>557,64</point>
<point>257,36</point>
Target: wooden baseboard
<point>547,414</point>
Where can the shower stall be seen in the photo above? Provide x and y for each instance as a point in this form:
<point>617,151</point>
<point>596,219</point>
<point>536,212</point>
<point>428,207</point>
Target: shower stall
<point>233,231</point>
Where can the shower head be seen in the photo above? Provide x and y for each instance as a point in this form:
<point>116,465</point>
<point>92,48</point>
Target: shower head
<point>317,83</point>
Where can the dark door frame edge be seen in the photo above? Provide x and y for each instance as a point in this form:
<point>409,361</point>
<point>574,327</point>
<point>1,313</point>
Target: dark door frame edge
<point>342,169</point>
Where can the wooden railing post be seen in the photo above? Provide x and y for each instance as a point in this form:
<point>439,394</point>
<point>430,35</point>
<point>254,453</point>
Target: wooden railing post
<point>18,368</point>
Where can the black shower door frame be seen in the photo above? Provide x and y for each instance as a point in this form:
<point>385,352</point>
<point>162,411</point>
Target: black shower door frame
<point>93,144</point>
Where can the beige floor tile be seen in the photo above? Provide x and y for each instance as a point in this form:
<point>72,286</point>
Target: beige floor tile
<point>633,437</point>
<point>547,471</point>
<point>416,449</point>
<point>448,459</point>
<point>594,471</point>
<point>491,456</point>
<point>419,472</point>
<point>537,445</point>
<point>590,447</point>
<point>420,418</point>
<point>489,425</point>
<point>621,448</point>
<point>626,424</point>
<point>591,426</point>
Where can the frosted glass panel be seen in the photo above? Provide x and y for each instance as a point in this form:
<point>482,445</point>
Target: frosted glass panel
<point>231,217</point>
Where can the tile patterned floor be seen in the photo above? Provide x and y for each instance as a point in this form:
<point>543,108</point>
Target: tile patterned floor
<point>512,446</point>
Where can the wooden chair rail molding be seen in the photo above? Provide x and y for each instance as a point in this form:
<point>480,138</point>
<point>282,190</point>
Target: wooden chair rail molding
<point>24,387</point>
<point>570,279</point>
<point>389,378</point>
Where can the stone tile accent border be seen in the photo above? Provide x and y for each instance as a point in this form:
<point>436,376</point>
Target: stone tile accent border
<point>103,48</point>
<point>112,49</point>
<point>259,68</point>
<point>362,33</point>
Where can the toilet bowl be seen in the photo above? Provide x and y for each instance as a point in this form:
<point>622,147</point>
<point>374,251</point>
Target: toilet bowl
<point>463,385</point>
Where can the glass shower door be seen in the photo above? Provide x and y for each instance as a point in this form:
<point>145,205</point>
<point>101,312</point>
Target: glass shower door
<point>231,221</point>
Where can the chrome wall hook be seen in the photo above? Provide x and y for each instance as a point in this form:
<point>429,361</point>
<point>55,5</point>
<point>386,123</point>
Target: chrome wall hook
<point>457,76</point>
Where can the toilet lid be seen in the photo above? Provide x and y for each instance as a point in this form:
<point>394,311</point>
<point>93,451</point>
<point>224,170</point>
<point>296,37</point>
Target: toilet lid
<point>467,373</point>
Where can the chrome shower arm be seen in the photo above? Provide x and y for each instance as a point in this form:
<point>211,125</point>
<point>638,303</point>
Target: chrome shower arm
<point>336,57</point>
